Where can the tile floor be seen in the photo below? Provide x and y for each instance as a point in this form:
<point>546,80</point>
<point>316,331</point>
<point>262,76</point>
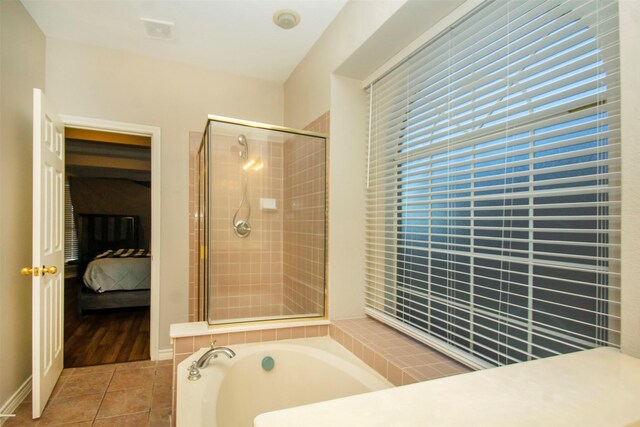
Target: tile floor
<point>125,394</point>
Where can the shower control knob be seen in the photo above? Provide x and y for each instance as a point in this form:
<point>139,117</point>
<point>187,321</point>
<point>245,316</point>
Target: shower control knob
<point>242,228</point>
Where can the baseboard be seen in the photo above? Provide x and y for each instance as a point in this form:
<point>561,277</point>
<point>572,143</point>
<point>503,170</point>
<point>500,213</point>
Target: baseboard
<point>14,401</point>
<point>165,354</point>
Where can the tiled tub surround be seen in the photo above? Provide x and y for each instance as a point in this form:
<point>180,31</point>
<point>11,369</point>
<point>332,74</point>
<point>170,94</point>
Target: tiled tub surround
<point>399,358</point>
<point>189,337</point>
<point>126,394</point>
<point>232,392</point>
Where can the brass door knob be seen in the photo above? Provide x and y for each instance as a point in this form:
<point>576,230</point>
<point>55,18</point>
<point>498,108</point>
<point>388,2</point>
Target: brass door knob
<point>26,271</point>
<point>51,270</point>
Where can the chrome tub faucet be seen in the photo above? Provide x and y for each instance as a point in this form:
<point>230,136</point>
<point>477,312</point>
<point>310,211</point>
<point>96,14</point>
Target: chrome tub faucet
<point>203,361</point>
<point>212,353</point>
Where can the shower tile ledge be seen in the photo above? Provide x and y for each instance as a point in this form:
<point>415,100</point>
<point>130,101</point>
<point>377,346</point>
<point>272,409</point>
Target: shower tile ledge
<point>599,387</point>
<point>193,329</point>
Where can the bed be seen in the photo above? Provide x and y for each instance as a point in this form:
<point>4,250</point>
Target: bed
<point>115,265</point>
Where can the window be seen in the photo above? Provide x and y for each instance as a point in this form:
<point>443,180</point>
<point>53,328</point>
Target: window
<point>70,229</point>
<point>493,193</point>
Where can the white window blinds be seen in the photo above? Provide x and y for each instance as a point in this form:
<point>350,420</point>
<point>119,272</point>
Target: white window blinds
<point>493,188</point>
<point>70,230</point>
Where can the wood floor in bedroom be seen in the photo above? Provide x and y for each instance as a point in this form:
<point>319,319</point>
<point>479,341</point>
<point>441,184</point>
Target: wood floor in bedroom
<point>104,336</point>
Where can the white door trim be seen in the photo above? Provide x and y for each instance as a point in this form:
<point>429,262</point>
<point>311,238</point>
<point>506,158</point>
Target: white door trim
<point>154,133</point>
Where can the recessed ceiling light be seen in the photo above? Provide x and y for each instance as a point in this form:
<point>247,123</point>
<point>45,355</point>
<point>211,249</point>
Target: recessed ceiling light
<point>286,18</point>
<point>156,29</point>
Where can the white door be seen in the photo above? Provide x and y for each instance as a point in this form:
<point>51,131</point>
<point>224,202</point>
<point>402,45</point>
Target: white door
<point>48,250</point>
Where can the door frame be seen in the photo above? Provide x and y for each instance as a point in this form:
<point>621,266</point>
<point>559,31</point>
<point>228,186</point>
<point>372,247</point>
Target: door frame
<point>154,133</point>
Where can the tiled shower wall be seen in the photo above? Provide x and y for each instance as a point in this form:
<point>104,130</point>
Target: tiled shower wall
<point>304,221</point>
<point>279,268</point>
<point>247,272</point>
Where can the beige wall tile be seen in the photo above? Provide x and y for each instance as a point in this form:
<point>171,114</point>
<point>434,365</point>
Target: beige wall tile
<point>400,358</point>
<point>298,332</point>
<point>283,334</point>
<point>237,338</point>
<point>183,345</point>
<point>380,364</point>
<point>268,335</point>
<point>204,342</point>
<point>253,336</point>
<point>407,378</point>
<point>394,374</point>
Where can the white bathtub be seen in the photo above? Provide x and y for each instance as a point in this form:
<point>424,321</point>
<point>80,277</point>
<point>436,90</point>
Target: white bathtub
<point>232,392</point>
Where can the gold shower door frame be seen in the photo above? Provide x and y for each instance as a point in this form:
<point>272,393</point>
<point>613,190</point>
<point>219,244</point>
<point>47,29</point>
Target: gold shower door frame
<point>204,272</point>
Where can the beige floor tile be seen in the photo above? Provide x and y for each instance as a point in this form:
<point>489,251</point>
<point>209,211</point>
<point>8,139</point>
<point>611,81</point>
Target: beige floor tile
<point>88,370</point>
<point>77,385</point>
<point>160,417</point>
<point>136,365</point>
<point>22,418</point>
<point>139,419</point>
<point>56,388</point>
<point>124,379</point>
<point>71,410</point>
<point>164,375</point>
<point>124,402</point>
<point>82,398</point>
<point>161,397</point>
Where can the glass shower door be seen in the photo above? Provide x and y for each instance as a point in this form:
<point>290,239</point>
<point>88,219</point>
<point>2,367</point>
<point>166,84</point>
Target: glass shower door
<point>265,226</point>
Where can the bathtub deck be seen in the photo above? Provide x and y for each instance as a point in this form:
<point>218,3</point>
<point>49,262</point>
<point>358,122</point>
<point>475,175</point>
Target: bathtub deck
<point>599,387</point>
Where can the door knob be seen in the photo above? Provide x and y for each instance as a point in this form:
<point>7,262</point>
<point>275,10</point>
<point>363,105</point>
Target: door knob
<point>51,270</point>
<point>26,271</point>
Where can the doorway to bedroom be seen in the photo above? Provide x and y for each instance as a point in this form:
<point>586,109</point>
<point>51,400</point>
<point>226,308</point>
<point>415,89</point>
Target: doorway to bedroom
<point>107,247</point>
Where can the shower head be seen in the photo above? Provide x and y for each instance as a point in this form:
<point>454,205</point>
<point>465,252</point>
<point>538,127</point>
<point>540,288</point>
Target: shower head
<point>244,153</point>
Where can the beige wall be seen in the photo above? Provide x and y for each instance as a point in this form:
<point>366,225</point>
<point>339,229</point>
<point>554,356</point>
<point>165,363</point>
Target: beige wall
<point>112,85</point>
<point>347,199</point>
<point>308,89</point>
<point>363,36</point>
<point>630,133</point>
<point>22,65</point>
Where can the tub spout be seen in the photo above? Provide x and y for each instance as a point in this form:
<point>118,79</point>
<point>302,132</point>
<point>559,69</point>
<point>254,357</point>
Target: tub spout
<point>213,353</point>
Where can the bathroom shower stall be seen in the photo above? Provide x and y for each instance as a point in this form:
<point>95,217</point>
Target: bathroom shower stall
<point>261,223</point>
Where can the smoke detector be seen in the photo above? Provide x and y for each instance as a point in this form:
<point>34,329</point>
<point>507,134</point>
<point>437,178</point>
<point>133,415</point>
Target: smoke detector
<point>286,18</point>
<point>155,29</point>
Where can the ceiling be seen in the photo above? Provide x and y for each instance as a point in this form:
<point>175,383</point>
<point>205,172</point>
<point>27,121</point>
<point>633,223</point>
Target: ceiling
<point>236,36</point>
